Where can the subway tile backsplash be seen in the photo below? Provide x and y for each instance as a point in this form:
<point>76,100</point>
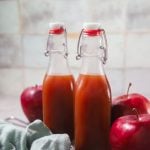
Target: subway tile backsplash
<point>11,53</point>
<point>138,50</point>
<point>23,37</point>
<point>9,17</point>
<point>140,79</point>
<point>116,80</point>
<point>33,77</point>
<point>115,50</point>
<point>34,47</point>
<point>11,82</point>
<point>111,13</point>
<point>138,15</point>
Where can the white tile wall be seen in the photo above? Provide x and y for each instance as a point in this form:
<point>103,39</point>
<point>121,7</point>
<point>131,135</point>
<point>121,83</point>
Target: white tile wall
<point>111,13</point>
<point>35,20</point>
<point>9,17</point>
<point>115,50</point>
<point>33,77</point>
<point>34,48</point>
<point>74,12</point>
<point>138,15</point>
<point>116,81</point>
<point>140,79</point>
<point>72,44</point>
<point>138,50</point>
<point>36,15</point>
<point>11,53</point>
<point>11,82</point>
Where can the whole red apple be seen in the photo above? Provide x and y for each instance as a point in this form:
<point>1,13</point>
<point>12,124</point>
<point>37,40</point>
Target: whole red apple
<point>31,102</point>
<point>124,104</point>
<point>131,132</point>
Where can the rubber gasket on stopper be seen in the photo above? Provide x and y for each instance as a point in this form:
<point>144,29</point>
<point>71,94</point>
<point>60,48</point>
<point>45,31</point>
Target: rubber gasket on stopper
<point>91,29</point>
<point>56,28</point>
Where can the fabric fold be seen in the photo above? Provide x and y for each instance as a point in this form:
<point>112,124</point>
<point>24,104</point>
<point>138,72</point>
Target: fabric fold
<point>12,137</point>
<point>36,136</point>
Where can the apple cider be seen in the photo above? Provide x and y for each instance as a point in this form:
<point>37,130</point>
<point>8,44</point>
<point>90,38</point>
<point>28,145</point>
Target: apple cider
<point>58,85</point>
<point>93,96</point>
<point>58,101</point>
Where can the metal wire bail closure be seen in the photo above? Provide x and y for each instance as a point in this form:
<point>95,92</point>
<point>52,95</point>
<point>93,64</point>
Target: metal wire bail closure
<point>46,53</point>
<point>104,46</point>
<point>79,46</point>
<point>66,43</point>
<point>48,49</point>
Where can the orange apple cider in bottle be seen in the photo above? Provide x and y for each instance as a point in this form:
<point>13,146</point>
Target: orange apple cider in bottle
<point>58,84</point>
<point>93,96</point>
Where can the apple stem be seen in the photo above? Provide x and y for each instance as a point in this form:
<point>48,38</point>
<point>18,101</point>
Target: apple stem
<point>130,84</point>
<point>136,113</point>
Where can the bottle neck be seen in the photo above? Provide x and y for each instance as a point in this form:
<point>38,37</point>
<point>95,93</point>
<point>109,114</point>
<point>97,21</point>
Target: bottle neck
<point>57,48</point>
<point>91,56</point>
<point>92,66</point>
<point>90,46</point>
<point>58,64</point>
<point>56,42</point>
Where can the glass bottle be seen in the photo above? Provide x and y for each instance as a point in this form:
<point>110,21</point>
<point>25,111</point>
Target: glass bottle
<point>93,96</point>
<point>58,84</point>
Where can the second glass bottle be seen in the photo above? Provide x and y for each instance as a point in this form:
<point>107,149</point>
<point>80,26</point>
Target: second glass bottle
<point>93,96</point>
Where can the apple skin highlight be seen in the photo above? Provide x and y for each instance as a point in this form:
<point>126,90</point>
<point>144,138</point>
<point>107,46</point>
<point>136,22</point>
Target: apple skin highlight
<point>131,133</point>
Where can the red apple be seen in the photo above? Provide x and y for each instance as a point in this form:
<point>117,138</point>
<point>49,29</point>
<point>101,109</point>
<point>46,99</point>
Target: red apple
<point>131,132</point>
<point>31,102</point>
<point>123,105</point>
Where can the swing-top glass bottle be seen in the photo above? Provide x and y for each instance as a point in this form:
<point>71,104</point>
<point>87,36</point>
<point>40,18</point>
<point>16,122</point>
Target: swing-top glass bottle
<point>93,96</point>
<point>58,84</point>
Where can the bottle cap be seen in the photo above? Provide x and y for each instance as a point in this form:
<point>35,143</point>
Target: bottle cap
<point>91,28</point>
<point>56,28</point>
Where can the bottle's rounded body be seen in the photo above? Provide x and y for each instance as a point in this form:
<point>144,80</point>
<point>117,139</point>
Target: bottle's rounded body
<point>92,113</point>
